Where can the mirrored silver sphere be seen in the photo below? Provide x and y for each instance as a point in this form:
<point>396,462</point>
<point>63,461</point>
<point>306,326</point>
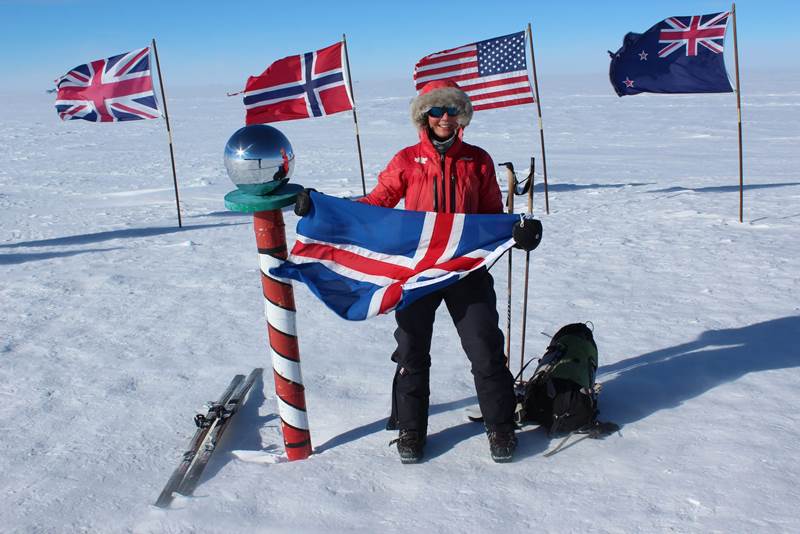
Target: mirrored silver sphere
<point>259,158</point>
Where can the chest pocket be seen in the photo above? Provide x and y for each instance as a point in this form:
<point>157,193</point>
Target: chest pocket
<point>465,182</point>
<point>418,186</point>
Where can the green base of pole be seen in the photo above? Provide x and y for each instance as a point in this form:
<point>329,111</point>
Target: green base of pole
<point>284,196</point>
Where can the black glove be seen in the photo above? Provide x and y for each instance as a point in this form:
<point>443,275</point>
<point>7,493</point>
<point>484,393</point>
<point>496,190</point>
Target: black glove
<point>303,203</point>
<point>527,234</point>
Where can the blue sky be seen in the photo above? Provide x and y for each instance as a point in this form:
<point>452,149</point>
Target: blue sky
<point>204,42</point>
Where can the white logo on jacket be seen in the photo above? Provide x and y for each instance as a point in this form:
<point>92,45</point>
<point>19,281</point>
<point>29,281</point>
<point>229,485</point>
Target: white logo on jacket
<point>422,160</point>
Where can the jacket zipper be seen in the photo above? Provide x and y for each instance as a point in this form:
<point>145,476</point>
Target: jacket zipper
<point>453,190</point>
<point>435,194</point>
<point>444,186</point>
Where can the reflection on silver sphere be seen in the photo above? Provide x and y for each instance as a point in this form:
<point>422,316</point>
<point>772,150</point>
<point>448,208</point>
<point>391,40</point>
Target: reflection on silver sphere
<point>259,158</point>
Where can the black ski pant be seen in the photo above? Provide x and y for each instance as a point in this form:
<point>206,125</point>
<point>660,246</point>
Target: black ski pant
<point>472,304</point>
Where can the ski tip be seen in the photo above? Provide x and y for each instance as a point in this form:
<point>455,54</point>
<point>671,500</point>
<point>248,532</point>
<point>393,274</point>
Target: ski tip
<point>173,501</point>
<point>163,502</point>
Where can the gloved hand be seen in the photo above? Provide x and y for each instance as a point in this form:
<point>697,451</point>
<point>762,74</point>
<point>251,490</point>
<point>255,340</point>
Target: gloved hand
<point>303,203</point>
<point>527,234</point>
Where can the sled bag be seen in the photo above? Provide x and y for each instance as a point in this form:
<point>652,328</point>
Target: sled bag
<point>561,394</point>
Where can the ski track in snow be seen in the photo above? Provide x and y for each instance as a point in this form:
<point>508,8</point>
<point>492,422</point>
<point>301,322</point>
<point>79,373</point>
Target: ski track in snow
<point>117,325</point>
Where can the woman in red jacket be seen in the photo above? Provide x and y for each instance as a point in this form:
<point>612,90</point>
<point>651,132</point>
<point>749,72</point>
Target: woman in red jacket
<point>442,173</point>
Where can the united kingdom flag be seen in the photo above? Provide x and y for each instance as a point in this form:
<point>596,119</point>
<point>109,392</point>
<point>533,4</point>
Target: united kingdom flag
<point>362,260</point>
<point>118,88</point>
<point>691,32</point>
<point>298,87</point>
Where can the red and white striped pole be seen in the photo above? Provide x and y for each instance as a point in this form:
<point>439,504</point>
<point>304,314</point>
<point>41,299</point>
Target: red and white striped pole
<point>280,311</point>
<point>259,160</point>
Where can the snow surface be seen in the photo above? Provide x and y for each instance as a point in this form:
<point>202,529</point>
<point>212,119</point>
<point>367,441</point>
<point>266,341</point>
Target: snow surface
<point>117,325</point>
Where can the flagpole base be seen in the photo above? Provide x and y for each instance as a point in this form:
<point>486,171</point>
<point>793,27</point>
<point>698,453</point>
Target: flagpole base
<point>243,202</point>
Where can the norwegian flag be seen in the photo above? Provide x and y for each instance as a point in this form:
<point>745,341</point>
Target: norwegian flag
<point>692,32</point>
<point>677,55</point>
<point>115,89</point>
<point>363,260</point>
<point>299,87</point>
<point>493,73</point>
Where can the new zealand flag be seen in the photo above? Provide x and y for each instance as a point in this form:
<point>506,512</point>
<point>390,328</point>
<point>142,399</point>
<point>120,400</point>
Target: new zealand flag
<point>362,260</point>
<point>677,55</point>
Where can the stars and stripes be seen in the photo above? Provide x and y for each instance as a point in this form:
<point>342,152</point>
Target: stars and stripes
<point>691,32</point>
<point>493,73</point>
<point>298,87</point>
<point>363,260</point>
<point>118,88</point>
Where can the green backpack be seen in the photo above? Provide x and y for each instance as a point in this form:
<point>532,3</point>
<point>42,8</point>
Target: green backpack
<point>562,394</point>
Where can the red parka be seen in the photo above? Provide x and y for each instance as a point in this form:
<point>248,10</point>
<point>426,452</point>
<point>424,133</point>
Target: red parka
<point>460,181</point>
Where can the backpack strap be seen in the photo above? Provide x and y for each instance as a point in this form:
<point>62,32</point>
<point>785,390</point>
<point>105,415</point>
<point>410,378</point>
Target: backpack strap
<point>596,430</point>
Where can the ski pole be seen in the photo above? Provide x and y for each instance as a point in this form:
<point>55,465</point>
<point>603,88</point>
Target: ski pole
<point>527,270</point>
<point>510,206</point>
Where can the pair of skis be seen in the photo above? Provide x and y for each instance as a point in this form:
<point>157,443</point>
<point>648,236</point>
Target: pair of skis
<point>210,428</point>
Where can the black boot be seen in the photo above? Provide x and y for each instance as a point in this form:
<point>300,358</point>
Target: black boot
<point>409,445</point>
<point>502,444</point>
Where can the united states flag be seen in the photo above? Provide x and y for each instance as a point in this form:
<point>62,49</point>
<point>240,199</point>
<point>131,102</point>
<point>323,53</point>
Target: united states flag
<point>362,260</point>
<point>118,88</point>
<point>298,87</point>
<point>493,73</point>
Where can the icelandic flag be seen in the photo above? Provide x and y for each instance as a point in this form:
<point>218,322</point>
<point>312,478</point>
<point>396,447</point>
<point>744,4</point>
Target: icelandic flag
<point>363,260</point>
<point>677,55</point>
<point>299,87</point>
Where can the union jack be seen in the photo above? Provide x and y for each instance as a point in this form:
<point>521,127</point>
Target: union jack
<point>118,88</point>
<point>298,87</point>
<point>693,32</point>
<point>363,260</point>
<point>493,73</point>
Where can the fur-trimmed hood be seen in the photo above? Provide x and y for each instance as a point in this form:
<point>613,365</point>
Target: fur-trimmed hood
<point>440,93</point>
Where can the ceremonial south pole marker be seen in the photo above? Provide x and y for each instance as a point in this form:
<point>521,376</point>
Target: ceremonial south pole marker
<point>260,161</point>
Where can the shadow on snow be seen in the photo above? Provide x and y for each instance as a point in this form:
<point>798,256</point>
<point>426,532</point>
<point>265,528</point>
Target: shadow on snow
<point>446,439</point>
<point>565,187</point>
<point>637,388</point>
<point>229,213</point>
<point>663,379</point>
<point>12,259</point>
<point>112,234</point>
<point>559,187</point>
<point>721,188</point>
<point>244,430</point>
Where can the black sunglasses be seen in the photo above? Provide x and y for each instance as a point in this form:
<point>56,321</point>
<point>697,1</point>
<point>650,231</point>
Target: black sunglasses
<point>439,111</point>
